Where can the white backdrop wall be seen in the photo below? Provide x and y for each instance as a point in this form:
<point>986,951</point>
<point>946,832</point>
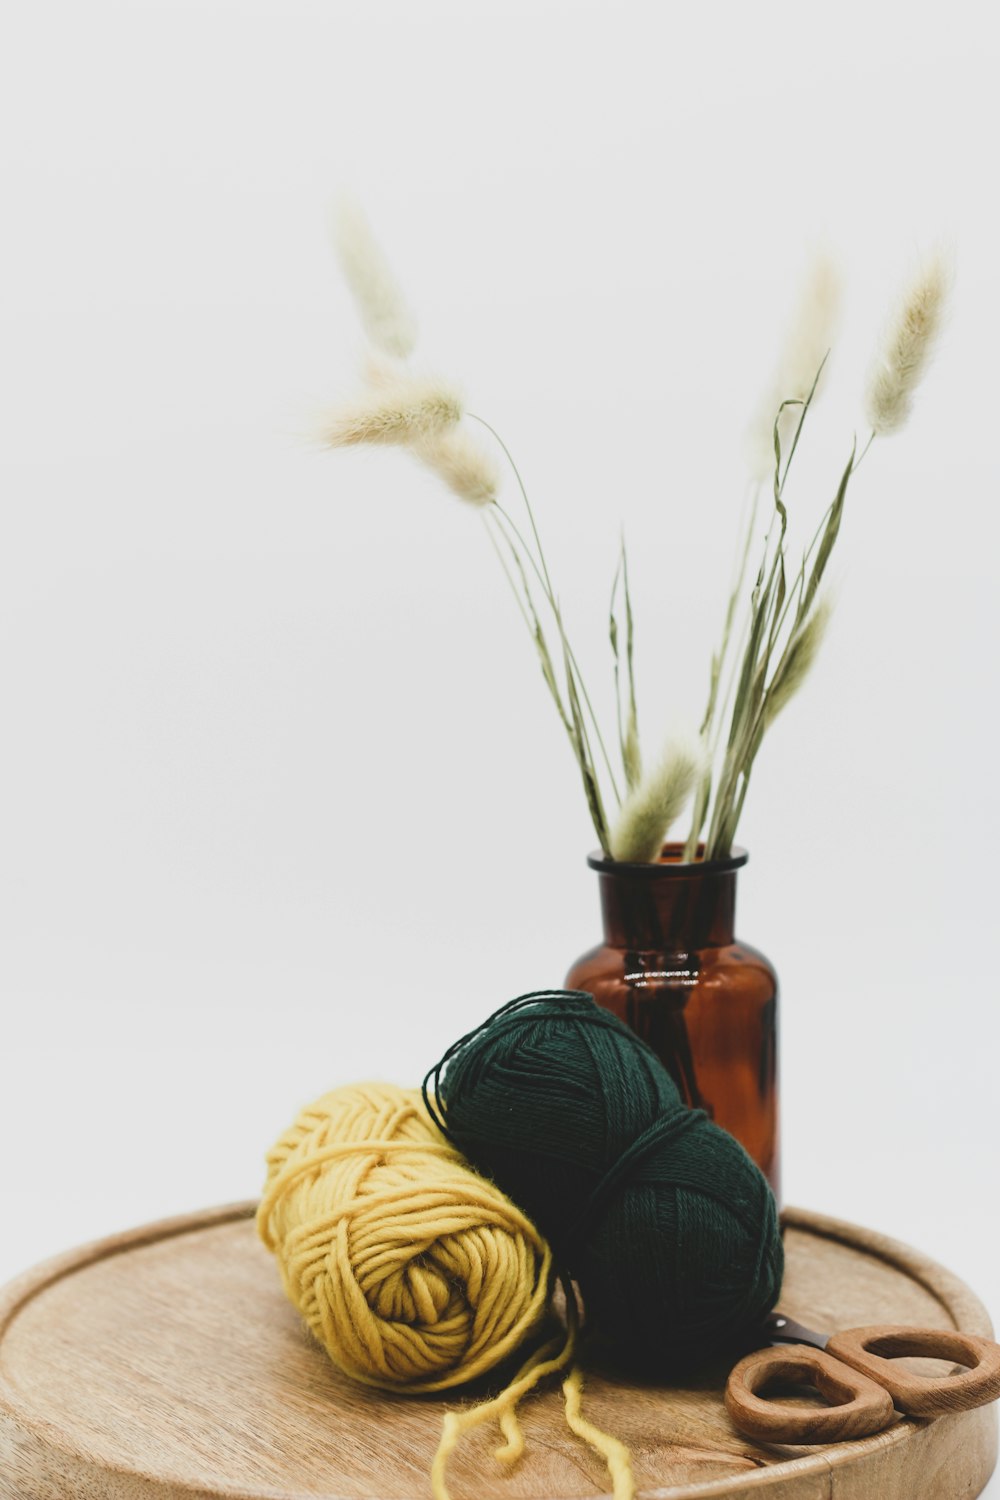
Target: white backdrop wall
<point>283,802</point>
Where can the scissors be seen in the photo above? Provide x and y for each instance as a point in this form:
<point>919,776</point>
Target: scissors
<point>854,1373</point>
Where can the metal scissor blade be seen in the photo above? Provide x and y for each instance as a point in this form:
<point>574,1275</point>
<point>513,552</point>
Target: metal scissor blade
<point>779,1329</point>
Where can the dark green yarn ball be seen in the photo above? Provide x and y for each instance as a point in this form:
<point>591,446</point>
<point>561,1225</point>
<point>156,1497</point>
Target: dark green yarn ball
<point>668,1227</point>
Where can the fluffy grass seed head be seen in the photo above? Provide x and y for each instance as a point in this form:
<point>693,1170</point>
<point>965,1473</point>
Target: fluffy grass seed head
<point>463,463</point>
<point>807,343</point>
<point>646,815</point>
<point>906,346</point>
<point>396,408</point>
<point>802,653</point>
<point>385,316</point>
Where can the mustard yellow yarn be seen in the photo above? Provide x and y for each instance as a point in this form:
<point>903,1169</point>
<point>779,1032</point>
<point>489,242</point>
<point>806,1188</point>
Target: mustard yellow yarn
<point>412,1271</point>
<point>550,1359</point>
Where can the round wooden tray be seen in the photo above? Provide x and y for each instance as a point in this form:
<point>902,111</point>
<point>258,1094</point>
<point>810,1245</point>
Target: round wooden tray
<point>166,1363</point>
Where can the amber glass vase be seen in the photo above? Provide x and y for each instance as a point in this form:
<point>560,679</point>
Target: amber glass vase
<point>671,967</point>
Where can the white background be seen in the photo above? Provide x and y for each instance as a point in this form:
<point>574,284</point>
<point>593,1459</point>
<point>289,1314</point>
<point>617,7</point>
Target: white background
<point>283,802</point>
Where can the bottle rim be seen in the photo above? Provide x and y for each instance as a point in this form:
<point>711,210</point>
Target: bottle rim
<point>669,864</point>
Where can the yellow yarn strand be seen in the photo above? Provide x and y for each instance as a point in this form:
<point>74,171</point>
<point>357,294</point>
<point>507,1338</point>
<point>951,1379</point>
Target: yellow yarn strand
<point>504,1408</point>
<point>545,1361</point>
<point>615,1454</point>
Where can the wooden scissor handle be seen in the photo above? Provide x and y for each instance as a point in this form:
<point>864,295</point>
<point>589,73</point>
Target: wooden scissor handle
<point>858,1407</point>
<point>871,1351</point>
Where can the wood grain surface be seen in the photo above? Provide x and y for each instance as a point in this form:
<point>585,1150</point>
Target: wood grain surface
<point>166,1364</point>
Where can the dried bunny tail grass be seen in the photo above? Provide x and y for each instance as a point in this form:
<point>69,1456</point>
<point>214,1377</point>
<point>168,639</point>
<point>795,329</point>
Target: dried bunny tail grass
<point>811,336</point>
<point>385,316</point>
<point>798,660</point>
<point>462,463</point>
<point>399,408</point>
<point>811,329</point>
<point>807,343</point>
<point>647,812</point>
<point>906,346</point>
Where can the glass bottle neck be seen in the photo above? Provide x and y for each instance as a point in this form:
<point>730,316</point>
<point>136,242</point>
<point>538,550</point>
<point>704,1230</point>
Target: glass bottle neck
<point>667,908</point>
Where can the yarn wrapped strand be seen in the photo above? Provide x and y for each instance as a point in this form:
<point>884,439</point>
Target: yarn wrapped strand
<point>668,1227</point>
<point>413,1272</point>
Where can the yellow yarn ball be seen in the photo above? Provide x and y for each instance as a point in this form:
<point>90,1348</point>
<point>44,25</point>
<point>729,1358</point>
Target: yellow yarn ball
<point>411,1270</point>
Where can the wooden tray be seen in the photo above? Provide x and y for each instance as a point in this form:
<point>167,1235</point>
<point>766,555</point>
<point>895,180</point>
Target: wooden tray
<point>166,1363</point>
